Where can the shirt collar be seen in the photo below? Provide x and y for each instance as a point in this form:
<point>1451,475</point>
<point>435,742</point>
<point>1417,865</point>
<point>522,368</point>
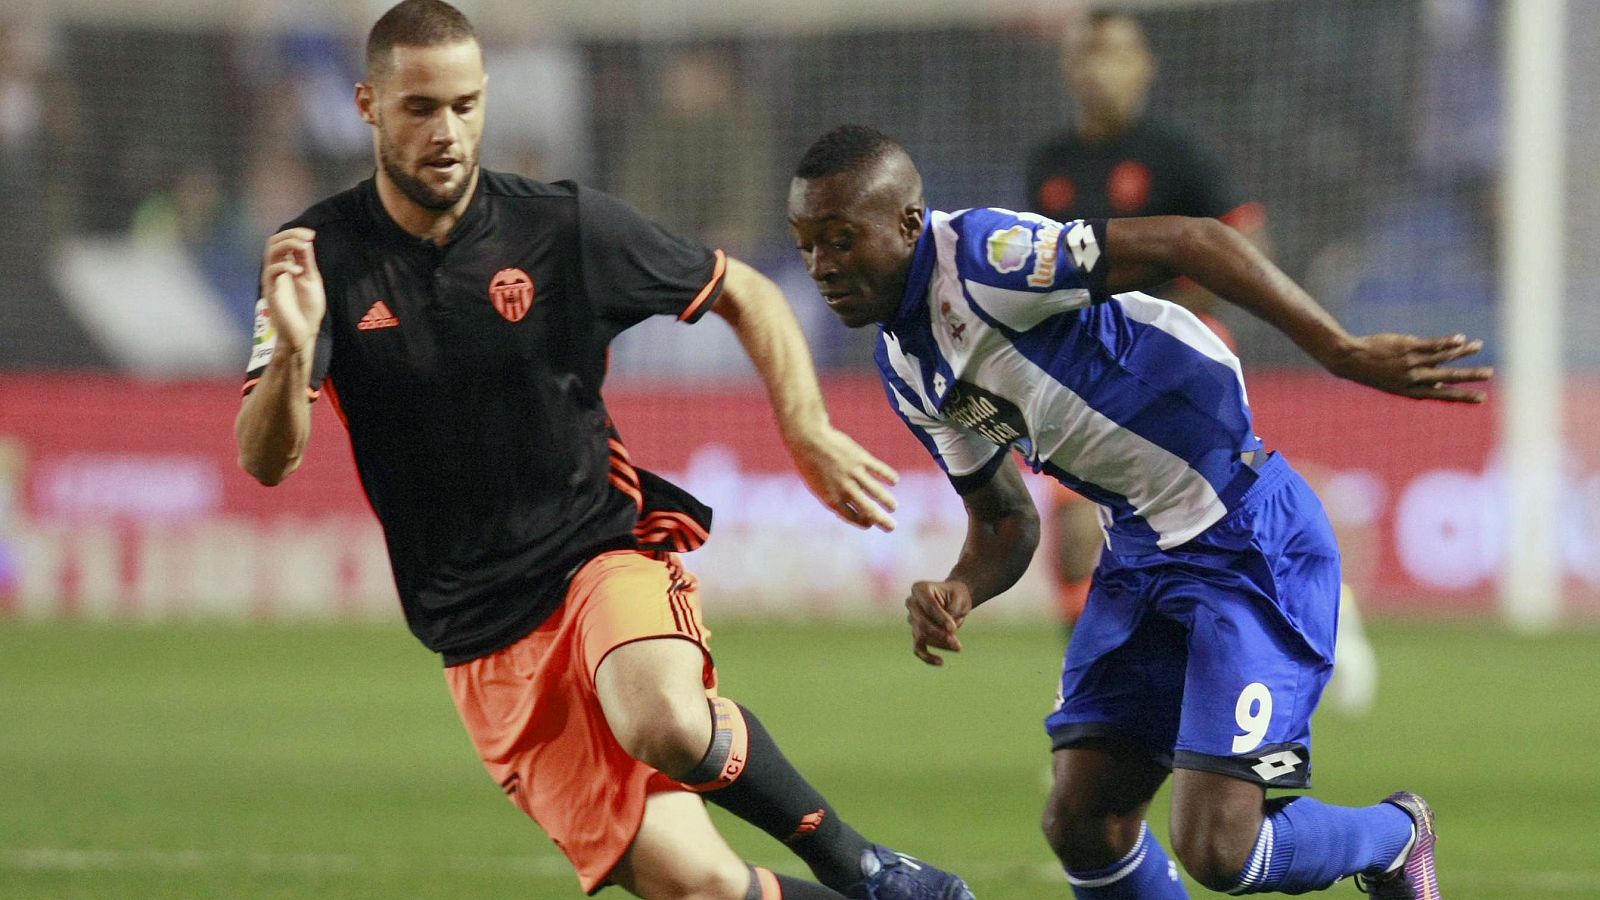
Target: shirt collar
<point>920,275</point>
<point>471,217</point>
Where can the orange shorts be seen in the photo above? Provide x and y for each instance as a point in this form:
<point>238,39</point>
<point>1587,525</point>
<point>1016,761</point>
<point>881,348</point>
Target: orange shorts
<point>532,711</point>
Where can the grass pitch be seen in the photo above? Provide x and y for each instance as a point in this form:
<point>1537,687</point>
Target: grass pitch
<point>327,762</point>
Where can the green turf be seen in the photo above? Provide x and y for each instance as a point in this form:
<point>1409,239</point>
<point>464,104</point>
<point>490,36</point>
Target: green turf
<point>326,761</point>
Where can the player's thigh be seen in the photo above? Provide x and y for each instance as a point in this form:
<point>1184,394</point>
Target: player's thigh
<point>647,651</point>
<point>652,695</point>
<point>1102,779</point>
<point>1250,688</point>
<point>1122,679</point>
<point>679,854</point>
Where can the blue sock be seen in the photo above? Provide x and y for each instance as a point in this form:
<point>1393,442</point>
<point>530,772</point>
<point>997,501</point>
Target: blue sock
<point>1144,874</point>
<point>1307,845</point>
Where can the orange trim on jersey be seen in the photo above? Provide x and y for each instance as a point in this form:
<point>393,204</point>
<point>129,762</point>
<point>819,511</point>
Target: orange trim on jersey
<point>710,288</point>
<point>681,530</point>
<point>333,400</point>
<point>770,889</point>
<point>684,521</point>
<point>623,475</point>
<point>621,469</point>
<point>1246,217</point>
<point>625,470</point>
<point>248,386</point>
<point>631,490</point>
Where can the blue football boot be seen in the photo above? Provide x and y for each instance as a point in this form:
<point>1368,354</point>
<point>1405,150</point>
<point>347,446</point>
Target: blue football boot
<point>896,876</point>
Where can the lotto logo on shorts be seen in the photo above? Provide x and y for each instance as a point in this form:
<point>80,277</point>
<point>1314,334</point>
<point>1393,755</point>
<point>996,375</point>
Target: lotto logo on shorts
<point>1277,765</point>
<point>511,290</point>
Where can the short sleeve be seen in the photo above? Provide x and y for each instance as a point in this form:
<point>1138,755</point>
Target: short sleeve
<point>634,269</point>
<point>264,341</point>
<point>1021,268</point>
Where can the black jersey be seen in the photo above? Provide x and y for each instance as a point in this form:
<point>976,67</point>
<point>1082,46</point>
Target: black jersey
<point>469,377</point>
<point>1149,170</point>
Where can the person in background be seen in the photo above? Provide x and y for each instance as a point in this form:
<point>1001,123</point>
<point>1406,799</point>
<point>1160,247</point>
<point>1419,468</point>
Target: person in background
<point>1119,159</point>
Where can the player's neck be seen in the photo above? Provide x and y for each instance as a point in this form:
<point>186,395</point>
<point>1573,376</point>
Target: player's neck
<point>418,221</point>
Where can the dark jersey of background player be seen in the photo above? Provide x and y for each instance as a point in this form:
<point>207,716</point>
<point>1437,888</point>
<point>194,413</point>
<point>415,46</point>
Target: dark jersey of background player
<point>1118,160</point>
<point>478,429</point>
<point>1152,169</point>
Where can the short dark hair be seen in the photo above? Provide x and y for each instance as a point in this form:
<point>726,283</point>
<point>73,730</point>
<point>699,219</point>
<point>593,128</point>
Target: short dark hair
<point>415,23</point>
<point>845,148</point>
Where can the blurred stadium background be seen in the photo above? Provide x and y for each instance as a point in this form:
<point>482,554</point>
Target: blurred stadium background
<point>168,628</point>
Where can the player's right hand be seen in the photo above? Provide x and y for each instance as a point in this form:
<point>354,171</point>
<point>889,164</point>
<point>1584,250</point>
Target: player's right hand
<point>845,477</point>
<point>936,610</point>
<point>292,286</point>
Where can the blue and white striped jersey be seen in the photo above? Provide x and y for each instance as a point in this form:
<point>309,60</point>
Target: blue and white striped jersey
<point>1006,337</point>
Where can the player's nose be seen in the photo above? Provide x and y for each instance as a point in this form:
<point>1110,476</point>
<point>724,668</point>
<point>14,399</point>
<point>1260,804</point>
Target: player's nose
<point>821,267</point>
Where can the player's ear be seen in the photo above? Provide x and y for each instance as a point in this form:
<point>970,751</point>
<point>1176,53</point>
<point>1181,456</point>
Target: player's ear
<point>364,101</point>
<point>911,223</point>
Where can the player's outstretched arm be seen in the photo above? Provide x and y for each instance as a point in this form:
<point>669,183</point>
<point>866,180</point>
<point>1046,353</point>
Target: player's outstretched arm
<point>844,476</point>
<point>1002,533</point>
<point>275,421</point>
<point>1146,251</point>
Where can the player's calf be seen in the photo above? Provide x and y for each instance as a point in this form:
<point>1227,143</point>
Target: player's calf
<point>1216,820</point>
<point>1307,845</point>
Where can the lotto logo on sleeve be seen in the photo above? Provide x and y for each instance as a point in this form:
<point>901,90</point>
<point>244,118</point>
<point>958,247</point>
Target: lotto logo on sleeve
<point>1010,248</point>
<point>511,290</point>
<point>1085,250</point>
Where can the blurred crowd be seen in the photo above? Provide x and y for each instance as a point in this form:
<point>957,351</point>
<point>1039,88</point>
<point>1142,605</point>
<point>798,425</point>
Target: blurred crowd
<point>1368,130</point>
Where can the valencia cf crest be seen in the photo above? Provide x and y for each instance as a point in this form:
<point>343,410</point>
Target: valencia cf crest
<point>512,293</point>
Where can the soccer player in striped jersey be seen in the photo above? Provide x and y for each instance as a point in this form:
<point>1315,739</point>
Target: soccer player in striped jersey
<point>1209,632</point>
<point>1121,159</point>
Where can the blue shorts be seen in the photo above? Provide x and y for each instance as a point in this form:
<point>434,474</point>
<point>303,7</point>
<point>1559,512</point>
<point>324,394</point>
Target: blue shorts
<point>1213,655</point>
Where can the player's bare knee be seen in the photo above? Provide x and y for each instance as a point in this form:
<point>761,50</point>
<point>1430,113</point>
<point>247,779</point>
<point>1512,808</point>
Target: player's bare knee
<point>1211,856</point>
<point>726,881</point>
<point>1078,838</point>
<point>670,734</point>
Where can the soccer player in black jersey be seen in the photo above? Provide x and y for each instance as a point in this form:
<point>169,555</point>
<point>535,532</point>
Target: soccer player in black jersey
<point>459,319</point>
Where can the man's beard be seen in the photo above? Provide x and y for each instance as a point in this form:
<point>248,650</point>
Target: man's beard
<point>418,191</point>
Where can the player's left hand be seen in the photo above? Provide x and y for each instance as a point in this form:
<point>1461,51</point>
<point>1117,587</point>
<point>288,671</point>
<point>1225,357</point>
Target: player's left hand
<point>846,478</point>
<point>1414,367</point>
<point>936,610</point>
